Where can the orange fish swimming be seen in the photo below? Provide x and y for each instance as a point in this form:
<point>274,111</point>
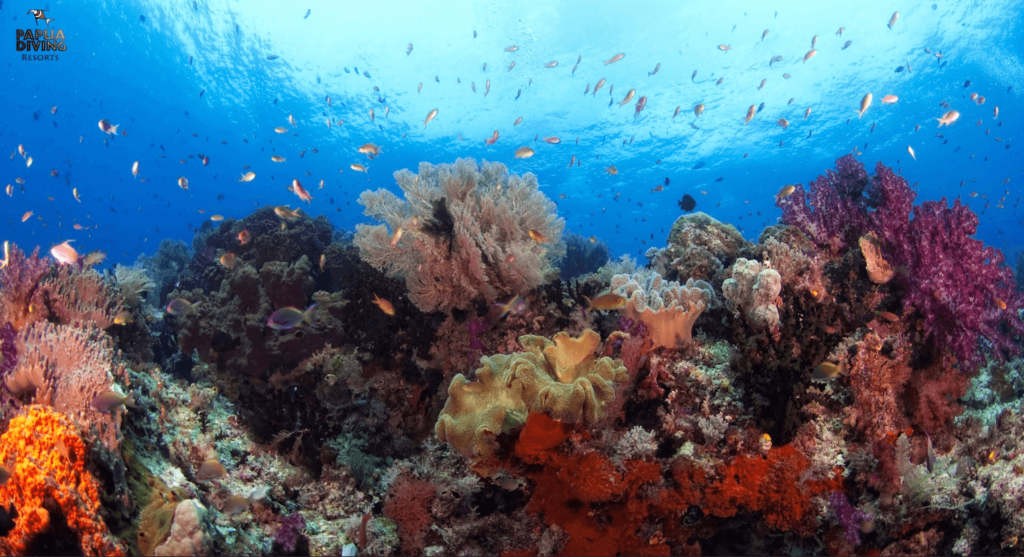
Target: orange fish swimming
<point>810,54</point>
<point>750,114</point>
<point>433,114</point>
<point>864,104</point>
<point>300,191</point>
<point>612,170</point>
<point>183,182</point>
<point>64,253</point>
<point>384,305</point>
<point>552,140</point>
<point>524,153</point>
<point>948,118</point>
<point>615,58</point>
<point>243,237</point>
<point>889,99</point>
<point>629,97</point>
<point>724,47</point>
<point>783,123</point>
<point>537,236</point>
<point>518,121</point>
<point>492,139</point>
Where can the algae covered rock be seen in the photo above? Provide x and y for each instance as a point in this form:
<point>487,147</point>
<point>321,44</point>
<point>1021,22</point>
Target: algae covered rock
<point>701,248</point>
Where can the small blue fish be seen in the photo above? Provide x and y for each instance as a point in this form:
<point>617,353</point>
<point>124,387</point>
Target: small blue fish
<point>307,14</point>
<point>699,165</point>
<point>272,57</point>
<point>142,18</point>
<point>290,318</point>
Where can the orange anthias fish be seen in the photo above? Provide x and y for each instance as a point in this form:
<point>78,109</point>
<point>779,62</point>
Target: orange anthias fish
<point>612,170</point>
<point>183,182</point>
<point>492,139</point>
<point>537,236</point>
<point>750,114</point>
<point>606,302</point>
<point>724,47</point>
<point>889,99</point>
<point>948,118</point>
<point>384,305</point>
<point>552,140</point>
<point>433,113</point>
<point>518,121</point>
<point>396,237</point>
<point>524,153</point>
<point>243,237</point>
<point>615,58</point>
<point>358,167</point>
<point>228,260</point>
<point>892,20</point>
<point>64,253</point>
<point>135,169</point>
<point>810,54</point>
<point>864,104</point>
<point>369,149</point>
<point>629,97</point>
<point>300,191</point>
<point>26,216</point>
<point>783,122</point>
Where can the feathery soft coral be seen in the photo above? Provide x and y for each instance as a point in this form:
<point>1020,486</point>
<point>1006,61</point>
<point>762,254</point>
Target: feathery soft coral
<point>477,247</point>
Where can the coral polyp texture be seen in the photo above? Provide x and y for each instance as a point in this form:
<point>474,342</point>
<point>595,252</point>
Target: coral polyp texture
<point>56,499</point>
<point>465,233</point>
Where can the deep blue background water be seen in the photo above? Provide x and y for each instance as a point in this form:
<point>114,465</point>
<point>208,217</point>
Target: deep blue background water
<point>137,74</point>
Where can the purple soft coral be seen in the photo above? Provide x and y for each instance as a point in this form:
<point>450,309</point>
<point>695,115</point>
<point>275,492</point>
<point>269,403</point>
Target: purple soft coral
<point>848,517</point>
<point>287,535</point>
<point>8,351</point>
<point>837,213</point>
<point>959,285</point>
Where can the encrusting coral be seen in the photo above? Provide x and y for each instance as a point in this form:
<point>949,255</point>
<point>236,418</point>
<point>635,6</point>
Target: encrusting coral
<point>562,377</point>
<point>669,309</point>
<point>57,500</point>
<point>466,233</point>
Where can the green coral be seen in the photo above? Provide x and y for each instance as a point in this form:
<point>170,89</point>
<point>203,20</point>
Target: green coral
<point>561,377</point>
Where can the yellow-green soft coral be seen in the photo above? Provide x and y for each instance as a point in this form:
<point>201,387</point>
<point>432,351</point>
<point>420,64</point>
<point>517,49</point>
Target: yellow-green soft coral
<point>561,377</point>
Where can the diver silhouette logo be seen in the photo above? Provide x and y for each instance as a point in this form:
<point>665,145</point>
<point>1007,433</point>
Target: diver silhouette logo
<point>40,14</point>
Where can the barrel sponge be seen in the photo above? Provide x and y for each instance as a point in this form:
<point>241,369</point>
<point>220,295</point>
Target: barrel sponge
<point>561,377</point>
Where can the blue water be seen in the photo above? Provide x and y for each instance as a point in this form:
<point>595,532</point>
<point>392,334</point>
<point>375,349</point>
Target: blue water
<point>137,73</point>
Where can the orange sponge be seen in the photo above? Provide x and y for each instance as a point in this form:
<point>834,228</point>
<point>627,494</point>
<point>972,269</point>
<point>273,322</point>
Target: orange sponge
<point>48,476</point>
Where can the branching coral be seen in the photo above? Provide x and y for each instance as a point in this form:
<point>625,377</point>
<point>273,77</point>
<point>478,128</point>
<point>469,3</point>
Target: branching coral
<point>562,378</point>
<point>55,497</point>
<point>667,308</point>
<point>754,291</point>
<point>490,254</point>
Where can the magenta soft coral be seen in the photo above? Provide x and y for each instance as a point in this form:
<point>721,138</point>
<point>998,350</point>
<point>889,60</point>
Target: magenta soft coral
<point>960,286</point>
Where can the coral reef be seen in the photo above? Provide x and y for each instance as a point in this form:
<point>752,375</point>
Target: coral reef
<point>700,247</point>
<point>753,290</point>
<point>466,233</point>
<point>56,498</point>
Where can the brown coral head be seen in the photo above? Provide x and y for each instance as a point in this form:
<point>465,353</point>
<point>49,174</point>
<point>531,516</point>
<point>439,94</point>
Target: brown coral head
<point>879,270</point>
<point>566,353</point>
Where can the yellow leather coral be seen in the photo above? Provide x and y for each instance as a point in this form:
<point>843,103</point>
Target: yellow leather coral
<point>562,377</point>
<point>48,476</point>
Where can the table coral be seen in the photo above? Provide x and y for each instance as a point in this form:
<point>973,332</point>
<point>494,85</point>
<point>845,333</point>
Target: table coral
<point>466,233</point>
<point>508,387</point>
<point>51,489</point>
<point>668,309</point>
